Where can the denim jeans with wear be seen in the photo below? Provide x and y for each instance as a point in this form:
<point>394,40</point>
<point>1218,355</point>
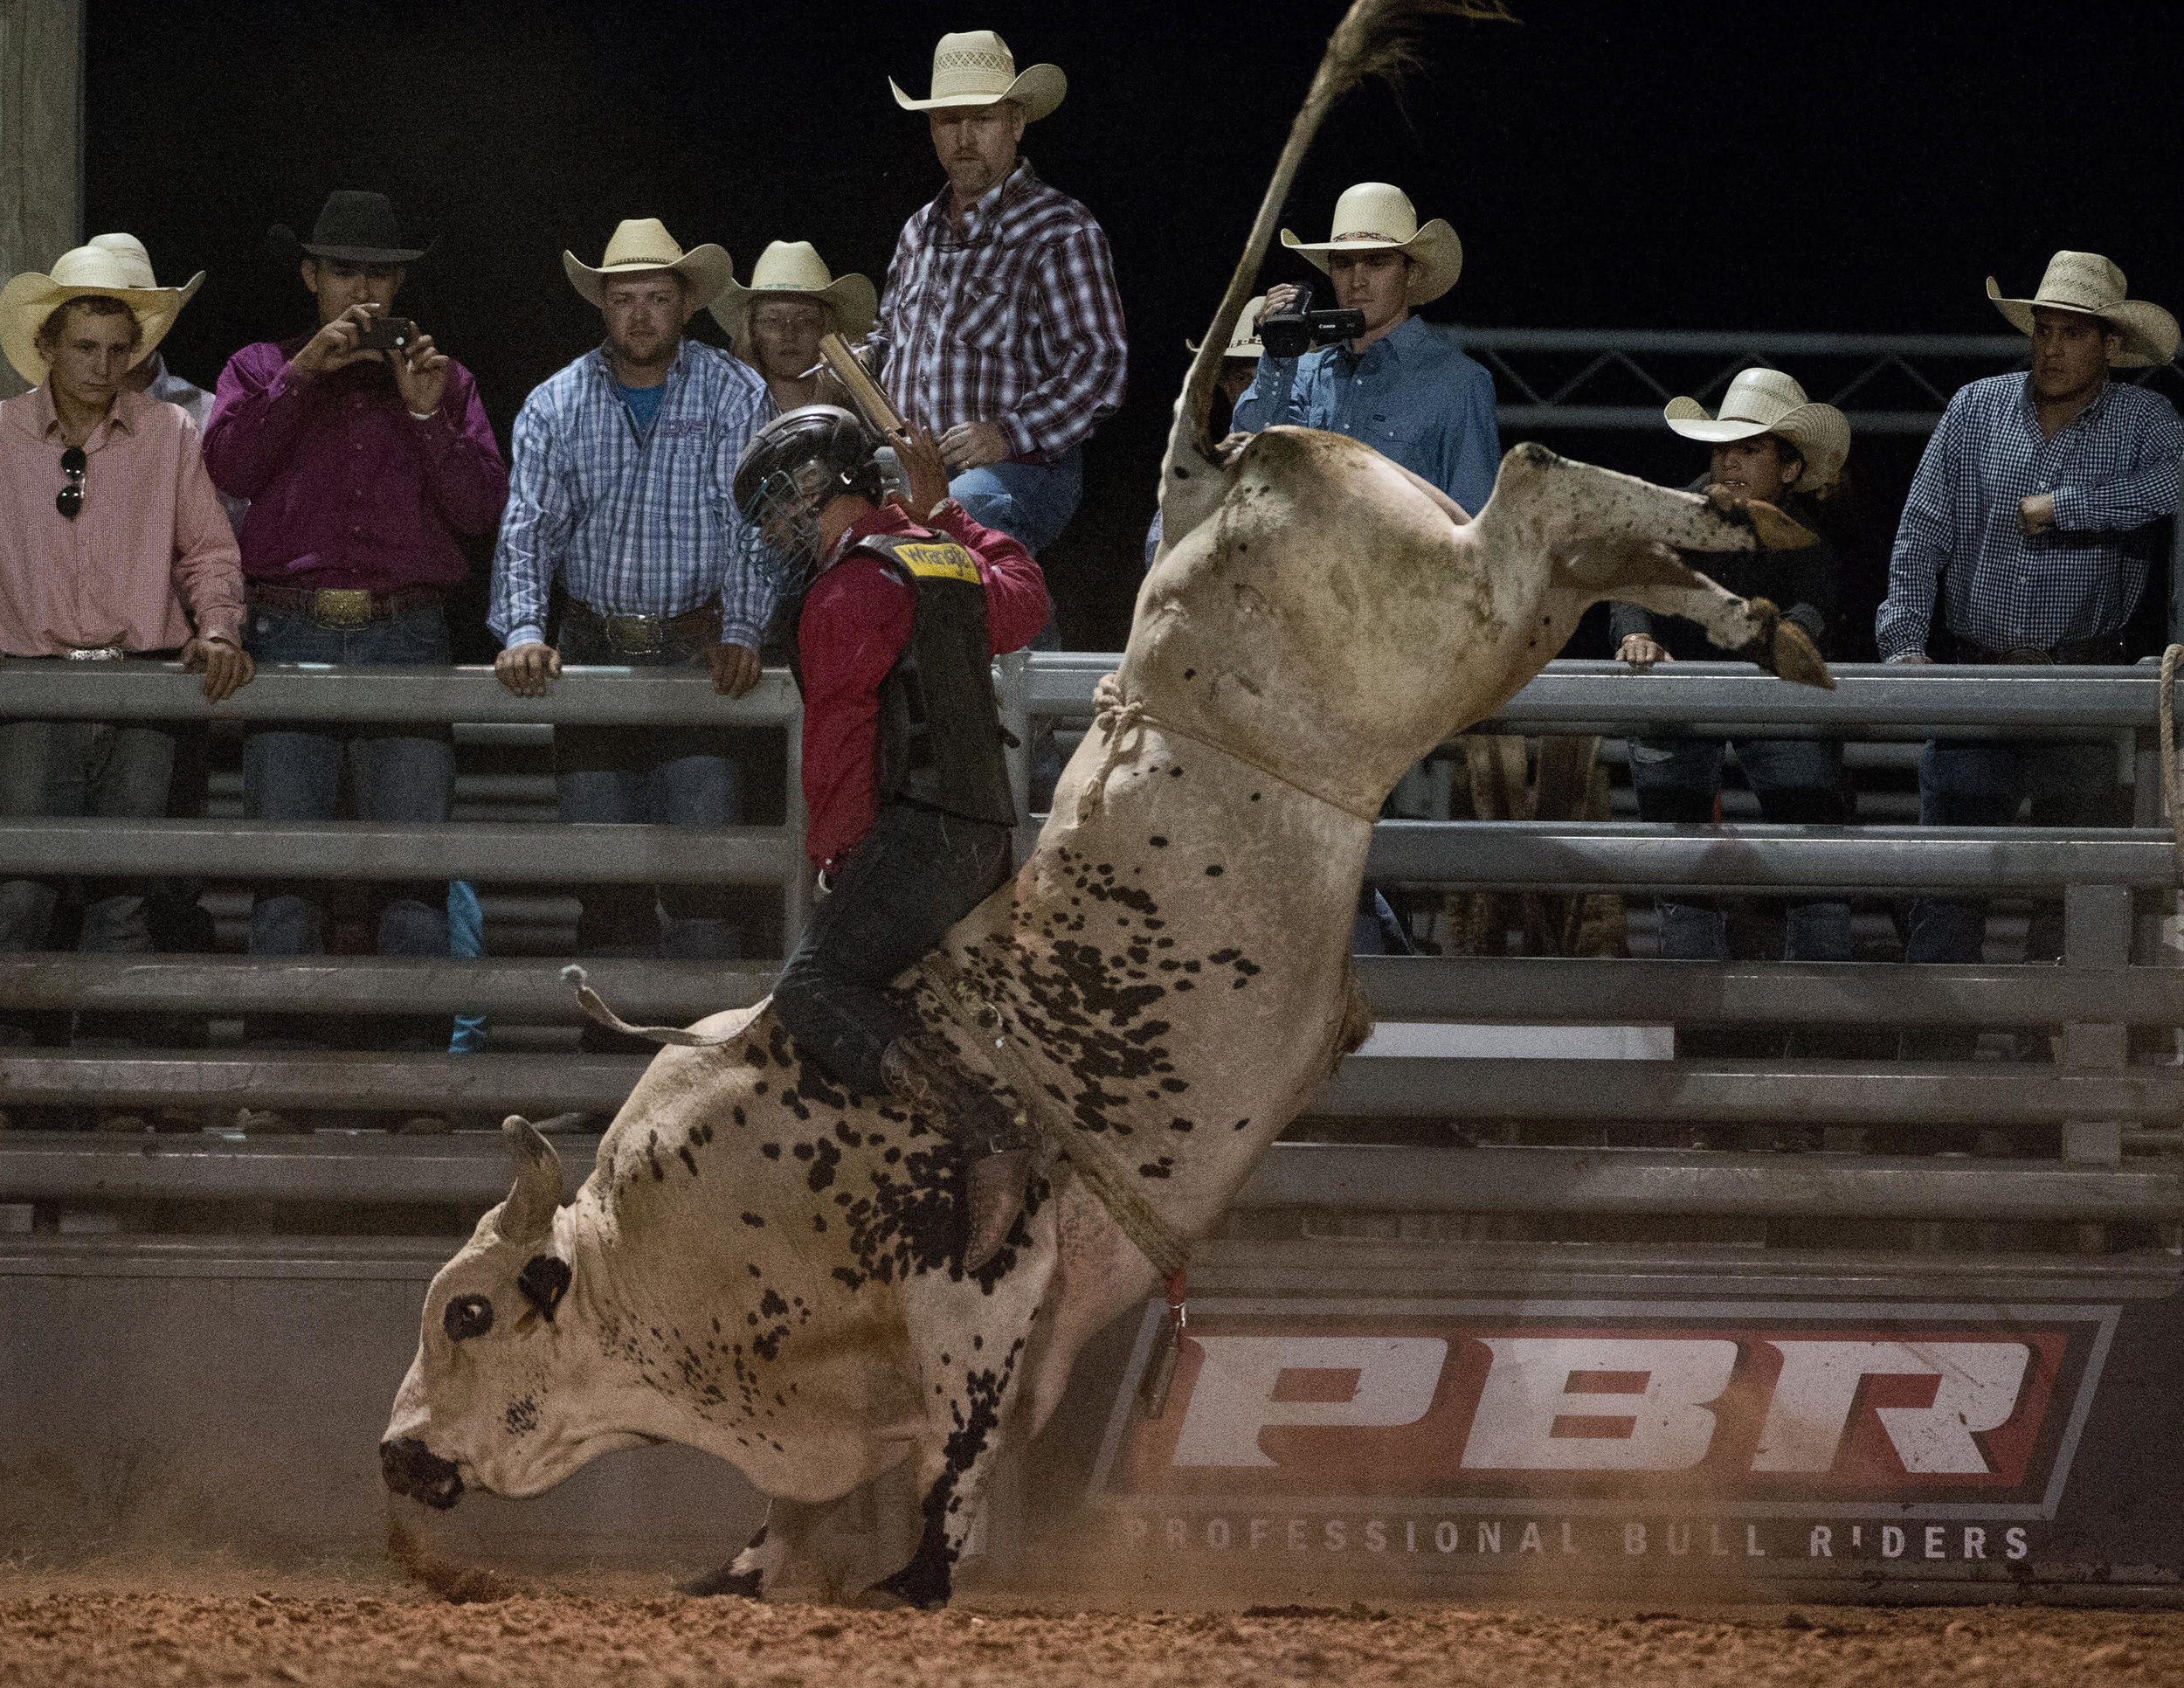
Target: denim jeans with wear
<point>1798,781</point>
<point>1981,783</point>
<point>399,773</point>
<point>915,874</point>
<point>115,770</point>
<point>1031,503</point>
<point>655,776</point>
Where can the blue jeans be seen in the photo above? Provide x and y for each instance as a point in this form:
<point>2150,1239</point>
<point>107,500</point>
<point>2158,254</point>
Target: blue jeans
<point>117,770</point>
<point>1981,783</point>
<point>1798,781</point>
<point>396,773</point>
<point>1031,503</point>
<point>915,874</point>
<point>656,776</point>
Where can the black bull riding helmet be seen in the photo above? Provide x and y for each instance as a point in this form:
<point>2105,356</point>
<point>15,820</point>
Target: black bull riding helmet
<point>794,467</point>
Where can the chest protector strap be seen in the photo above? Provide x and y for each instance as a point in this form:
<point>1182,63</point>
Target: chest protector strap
<point>939,740</point>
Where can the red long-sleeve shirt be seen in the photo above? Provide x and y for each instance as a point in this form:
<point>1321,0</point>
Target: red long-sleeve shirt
<point>857,618</point>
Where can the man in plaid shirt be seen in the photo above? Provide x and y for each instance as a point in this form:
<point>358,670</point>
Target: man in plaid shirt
<point>2027,518</point>
<point>1000,329</point>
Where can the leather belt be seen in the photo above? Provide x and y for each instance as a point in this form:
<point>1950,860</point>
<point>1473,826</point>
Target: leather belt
<point>345,606</point>
<point>643,635</point>
<point>2103,649</point>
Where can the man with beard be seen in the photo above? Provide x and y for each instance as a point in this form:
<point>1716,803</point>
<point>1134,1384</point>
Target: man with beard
<point>624,464</point>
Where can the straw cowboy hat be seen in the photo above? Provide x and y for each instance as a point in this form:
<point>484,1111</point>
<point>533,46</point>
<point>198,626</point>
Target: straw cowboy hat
<point>138,263</point>
<point>353,227</point>
<point>1767,401</point>
<point>2089,284</point>
<point>793,269</point>
<point>1373,217</point>
<point>976,68</point>
<point>27,300</point>
<point>1243,340</point>
<point>643,243</point>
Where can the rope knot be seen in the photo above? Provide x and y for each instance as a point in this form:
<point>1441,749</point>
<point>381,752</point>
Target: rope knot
<point>1119,718</point>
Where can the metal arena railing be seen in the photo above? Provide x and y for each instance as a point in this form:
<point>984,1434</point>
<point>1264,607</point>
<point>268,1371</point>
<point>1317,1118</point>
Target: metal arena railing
<point>2093,1098</point>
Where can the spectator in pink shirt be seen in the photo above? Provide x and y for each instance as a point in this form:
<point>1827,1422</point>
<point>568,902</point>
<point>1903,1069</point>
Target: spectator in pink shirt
<point>113,548</point>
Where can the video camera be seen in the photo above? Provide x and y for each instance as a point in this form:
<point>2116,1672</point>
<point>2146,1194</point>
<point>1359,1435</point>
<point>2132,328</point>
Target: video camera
<point>1298,329</point>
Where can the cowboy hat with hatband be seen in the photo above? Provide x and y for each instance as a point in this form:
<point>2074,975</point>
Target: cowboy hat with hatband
<point>793,269</point>
<point>1373,217</point>
<point>1767,401</point>
<point>136,263</point>
<point>1243,340</point>
<point>976,68</point>
<point>27,300</point>
<point>642,243</point>
<point>353,227</point>
<point>2087,284</point>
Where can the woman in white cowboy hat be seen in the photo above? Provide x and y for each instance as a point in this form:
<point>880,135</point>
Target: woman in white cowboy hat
<point>1402,387</point>
<point>793,303</point>
<point>1771,443</point>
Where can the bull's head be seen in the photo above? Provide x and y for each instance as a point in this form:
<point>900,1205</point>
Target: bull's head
<point>509,1391</point>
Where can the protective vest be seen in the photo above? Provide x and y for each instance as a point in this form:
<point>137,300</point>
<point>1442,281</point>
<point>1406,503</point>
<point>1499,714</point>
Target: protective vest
<point>939,737</point>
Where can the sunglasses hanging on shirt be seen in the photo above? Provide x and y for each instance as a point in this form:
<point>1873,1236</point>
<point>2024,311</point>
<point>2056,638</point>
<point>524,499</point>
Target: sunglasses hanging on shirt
<point>69,499</point>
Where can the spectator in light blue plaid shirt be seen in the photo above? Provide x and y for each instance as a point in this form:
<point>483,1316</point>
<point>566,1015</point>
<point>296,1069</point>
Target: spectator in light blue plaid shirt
<point>2028,519</point>
<point>624,463</point>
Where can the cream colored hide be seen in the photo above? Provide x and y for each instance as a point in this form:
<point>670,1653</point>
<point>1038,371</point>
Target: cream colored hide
<point>761,1265</point>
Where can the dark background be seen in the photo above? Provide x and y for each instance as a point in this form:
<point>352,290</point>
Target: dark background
<point>1853,167</point>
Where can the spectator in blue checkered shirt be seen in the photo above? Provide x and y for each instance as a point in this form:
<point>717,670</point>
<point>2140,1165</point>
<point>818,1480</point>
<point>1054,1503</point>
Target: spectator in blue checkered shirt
<point>2028,517</point>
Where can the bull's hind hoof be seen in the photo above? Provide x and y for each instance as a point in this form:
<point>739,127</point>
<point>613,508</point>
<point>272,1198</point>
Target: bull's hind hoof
<point>725,1580</point>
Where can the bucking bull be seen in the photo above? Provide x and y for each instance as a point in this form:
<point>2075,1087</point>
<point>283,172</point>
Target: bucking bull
<point>766,1267</point>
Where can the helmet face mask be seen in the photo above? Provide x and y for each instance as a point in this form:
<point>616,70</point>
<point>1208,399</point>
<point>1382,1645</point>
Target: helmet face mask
<point>794,468</point>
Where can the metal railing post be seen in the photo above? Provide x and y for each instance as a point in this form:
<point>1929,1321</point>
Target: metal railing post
<point>2096,933</point>
<point>1012,691</point>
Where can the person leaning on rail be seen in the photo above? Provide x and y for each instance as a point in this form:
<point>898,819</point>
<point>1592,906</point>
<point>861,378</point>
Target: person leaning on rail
<point>2028,520</point>
<point>1771,443</point>
<point>365,469</point>
<point>113,548</point>
<point>624,486</point>
<point>1240,367</point>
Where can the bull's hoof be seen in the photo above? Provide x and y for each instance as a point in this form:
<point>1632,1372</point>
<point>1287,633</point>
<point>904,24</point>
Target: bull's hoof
<point>922,1583</point>
<point>727,1580</point>
<point>1797,658</point>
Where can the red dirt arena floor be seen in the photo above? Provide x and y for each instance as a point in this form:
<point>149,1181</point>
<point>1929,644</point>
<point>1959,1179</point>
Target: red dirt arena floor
<point>143,1622</point>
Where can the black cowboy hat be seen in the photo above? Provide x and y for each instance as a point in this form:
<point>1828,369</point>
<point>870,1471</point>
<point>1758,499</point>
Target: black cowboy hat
<point>353,227</point>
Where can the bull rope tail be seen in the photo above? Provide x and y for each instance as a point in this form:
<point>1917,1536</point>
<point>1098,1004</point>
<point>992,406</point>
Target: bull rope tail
<point>595,1005</point>
<point>1118,717</point>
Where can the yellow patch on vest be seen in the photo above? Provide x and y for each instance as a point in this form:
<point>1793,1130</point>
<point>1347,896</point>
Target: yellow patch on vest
<point>942,562</point>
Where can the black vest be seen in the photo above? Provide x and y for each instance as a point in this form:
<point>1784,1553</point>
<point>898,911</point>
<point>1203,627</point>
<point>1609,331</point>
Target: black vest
<point>938,743</point>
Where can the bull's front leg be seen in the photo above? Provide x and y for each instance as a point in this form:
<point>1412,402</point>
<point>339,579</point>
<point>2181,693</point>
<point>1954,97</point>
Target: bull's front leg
<point>972,1346</point>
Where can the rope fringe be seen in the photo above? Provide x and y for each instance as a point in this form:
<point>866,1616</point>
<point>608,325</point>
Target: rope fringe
<point>595,1005</point>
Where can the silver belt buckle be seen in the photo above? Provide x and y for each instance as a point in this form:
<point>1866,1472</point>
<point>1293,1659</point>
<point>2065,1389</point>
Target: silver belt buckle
<point>95,654</point>
<point>636,635</point>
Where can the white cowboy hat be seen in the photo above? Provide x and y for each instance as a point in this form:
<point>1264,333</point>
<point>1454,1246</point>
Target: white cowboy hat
<point>1767,401</point>
<point>2089,284</point>
<point>1373,217</point>
<point>976,68</point>
<point>1243,341</point>
<point>28,300</point>
<point>794,270</point>
<point>138,263</point>
<point>643,243</point>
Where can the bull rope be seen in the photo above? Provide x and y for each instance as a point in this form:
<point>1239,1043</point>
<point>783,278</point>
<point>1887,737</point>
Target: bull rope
<point>1121,716</point>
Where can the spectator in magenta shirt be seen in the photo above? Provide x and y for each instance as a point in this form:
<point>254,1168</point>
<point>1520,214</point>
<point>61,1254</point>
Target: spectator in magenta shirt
<point>364,470</point>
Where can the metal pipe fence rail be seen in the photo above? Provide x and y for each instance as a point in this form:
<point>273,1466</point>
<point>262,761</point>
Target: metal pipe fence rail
<point>2092,1093</point>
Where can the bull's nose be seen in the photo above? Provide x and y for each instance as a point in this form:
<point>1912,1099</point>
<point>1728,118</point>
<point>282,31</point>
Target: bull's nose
<point>410,1468</point>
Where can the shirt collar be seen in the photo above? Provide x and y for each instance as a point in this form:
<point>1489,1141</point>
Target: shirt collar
<point>986,209</point>
<point>604,368</point>
<point>2028,407</point>
<point>127,409</point>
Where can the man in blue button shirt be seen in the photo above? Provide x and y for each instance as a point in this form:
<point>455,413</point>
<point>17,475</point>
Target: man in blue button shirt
<point>2027,520</point>
<point>1403,387</point>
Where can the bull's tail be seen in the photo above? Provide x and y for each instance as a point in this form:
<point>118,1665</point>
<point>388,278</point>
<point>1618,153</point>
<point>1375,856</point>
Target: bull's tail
<point>1376,37</point>
<point>595,1007</point>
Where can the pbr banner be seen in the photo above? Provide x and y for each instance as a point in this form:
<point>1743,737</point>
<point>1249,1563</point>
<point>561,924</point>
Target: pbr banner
<point>1753,1440</point>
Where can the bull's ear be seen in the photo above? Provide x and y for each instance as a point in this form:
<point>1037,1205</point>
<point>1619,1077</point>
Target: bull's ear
<point>527,1214</point>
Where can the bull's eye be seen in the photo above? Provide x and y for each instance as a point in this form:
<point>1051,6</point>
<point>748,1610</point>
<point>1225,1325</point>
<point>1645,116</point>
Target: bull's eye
<point>543,1280</point>
<point>467,1316</point>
